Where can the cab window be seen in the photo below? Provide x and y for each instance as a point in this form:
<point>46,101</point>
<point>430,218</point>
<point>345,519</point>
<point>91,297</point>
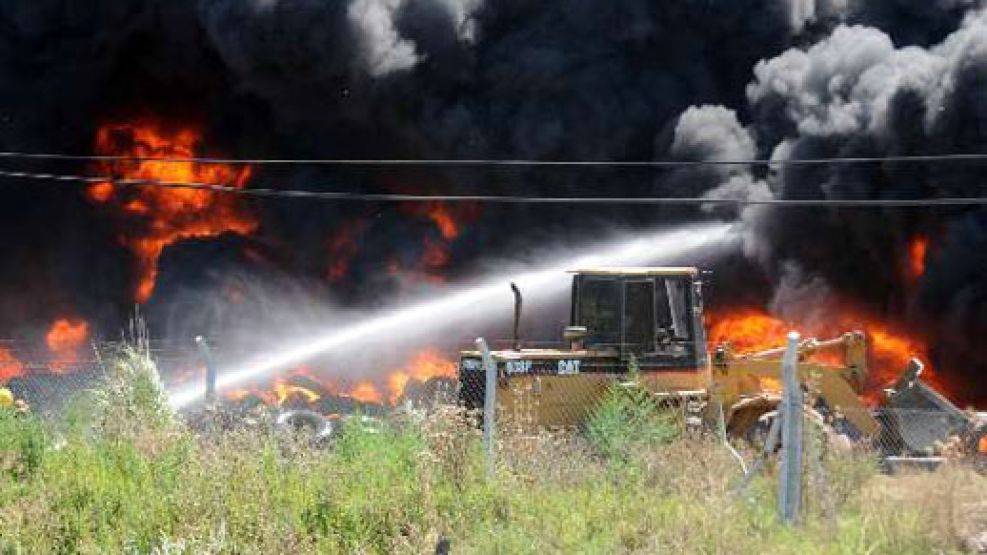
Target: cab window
<point>599,305</point>
<point>672,306</point>
<point>678,308</point>
<point>639,316</point>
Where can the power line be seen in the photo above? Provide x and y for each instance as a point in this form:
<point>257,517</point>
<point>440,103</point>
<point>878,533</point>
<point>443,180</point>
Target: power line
<point>955,157</point>
<point>501,199</point>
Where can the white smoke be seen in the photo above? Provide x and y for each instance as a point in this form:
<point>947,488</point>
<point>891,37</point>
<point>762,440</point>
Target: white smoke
<point>382,50</point>
<point>804,13</point>
<point>714,133</point>
<point>845,83</point>
<point>461,13</point>
<point>961,51</point>
<point>842,87</point>
<point>861,91</point>
<point>834,86</point>
<point>800,297</point>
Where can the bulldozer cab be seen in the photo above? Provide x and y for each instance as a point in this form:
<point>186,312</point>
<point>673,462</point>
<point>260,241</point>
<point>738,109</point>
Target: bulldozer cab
<point>651,314</point>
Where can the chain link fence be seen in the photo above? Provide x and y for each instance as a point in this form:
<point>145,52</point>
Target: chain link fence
<point>531,403</point>
<point>44,380</point>
<point>536,401</point>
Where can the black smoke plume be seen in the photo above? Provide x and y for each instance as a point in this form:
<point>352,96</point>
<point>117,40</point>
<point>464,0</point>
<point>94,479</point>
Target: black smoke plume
<point>553,80</point>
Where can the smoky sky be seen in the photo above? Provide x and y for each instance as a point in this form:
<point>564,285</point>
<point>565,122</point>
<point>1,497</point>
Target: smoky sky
<point>547,80</point>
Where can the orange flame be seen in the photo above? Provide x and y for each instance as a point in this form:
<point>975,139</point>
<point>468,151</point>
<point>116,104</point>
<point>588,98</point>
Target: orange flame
<point>366,392</point>
<point>281,393</point>
<point>64,338</point>
<point>440,215</point>
<point>429,363</point>
<point>435,255</point>
<point>746,330</point>
<point>448,222</point>
<point>238,395</point>
<point>285,391</point>
<point>166,215</point>
<point>890,349</point>
<point>183,374</point>
<point>10,367</point>
<point>917,251</point>
<point>342,247</point>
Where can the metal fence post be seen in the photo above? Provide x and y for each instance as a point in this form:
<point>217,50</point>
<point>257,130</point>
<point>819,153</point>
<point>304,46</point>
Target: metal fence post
<point>791,414</point>
<point>206,355</point>
<point>489,403</point>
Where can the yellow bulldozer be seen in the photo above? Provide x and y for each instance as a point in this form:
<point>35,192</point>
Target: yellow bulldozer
<point>651,319</point>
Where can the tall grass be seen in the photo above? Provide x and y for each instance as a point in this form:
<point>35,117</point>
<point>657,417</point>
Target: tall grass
<point>132,479</point>
<point>628,420</point>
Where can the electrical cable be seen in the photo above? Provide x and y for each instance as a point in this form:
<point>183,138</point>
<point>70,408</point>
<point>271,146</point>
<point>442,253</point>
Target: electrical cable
<point>502,199</point>
<point>954,157</point>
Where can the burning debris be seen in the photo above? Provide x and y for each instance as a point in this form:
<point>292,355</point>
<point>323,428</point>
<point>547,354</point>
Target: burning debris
<point>421,379</point>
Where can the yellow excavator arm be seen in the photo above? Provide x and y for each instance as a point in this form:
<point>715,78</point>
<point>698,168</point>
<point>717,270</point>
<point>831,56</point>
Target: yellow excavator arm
<point>749,384</point>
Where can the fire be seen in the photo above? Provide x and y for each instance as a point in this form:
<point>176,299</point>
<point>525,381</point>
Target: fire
<point>440,215</point>
<point>238,395</point>
<point>366,392</point>
<point>286,391</point>
<point>747,330</point>
<point>164,216</point>
<point>447,223</point>
<point>10,367</point>
<point>64,338</point>
<point>435,255</point>
<point>917,252</point>
<point>282,394</point>
<point>342,247</point>
<point>752,330</point>
<point>429,363</point>
<point>305,387</point>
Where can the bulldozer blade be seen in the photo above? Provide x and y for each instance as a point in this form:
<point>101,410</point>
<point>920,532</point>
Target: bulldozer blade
<point>917,417</point>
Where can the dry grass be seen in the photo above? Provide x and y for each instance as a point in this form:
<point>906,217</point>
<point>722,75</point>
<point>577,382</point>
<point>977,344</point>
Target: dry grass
<point>953,501</point>
<point>399,489</point>
<point>156,487</point>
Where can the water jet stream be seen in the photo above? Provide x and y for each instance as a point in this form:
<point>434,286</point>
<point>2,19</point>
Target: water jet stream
<point>470,302</point>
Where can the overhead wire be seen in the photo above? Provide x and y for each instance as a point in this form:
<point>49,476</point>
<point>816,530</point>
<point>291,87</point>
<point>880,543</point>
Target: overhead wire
<point>503,199</point>
<point>949,157</point>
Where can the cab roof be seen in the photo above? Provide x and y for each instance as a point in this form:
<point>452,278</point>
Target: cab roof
<point>689,271</point>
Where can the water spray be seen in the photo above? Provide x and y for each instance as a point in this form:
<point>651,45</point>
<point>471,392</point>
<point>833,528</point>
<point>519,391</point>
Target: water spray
<point>468,302</point>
